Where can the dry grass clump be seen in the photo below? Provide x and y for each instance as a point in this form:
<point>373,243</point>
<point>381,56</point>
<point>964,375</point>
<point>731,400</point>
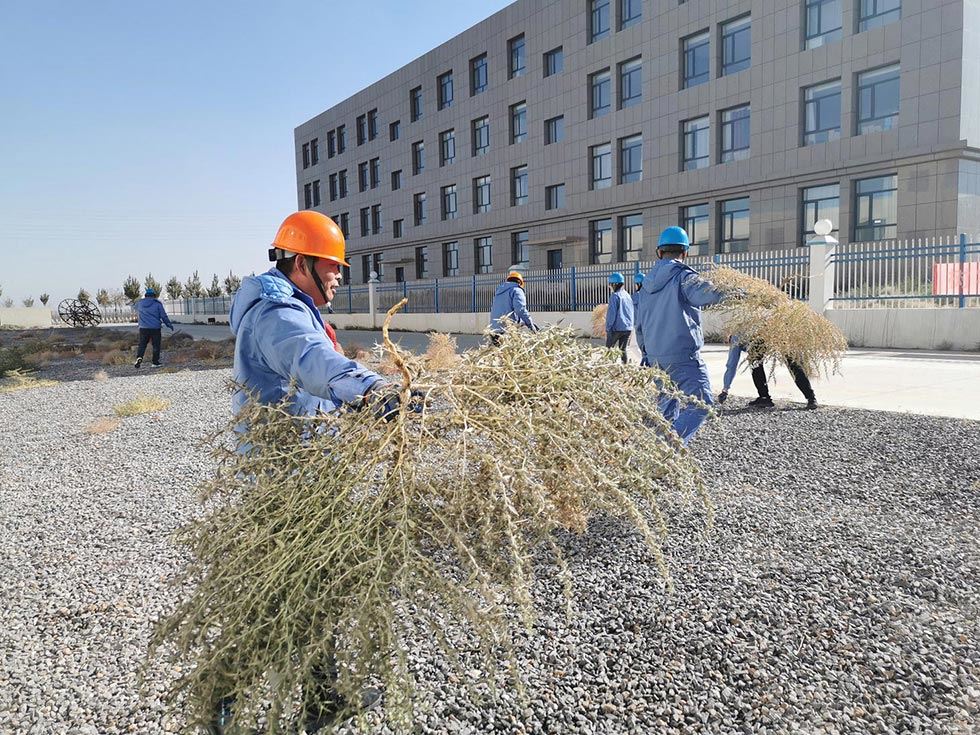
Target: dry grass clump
<point>141,404</point>
<point>774,327</point>
<point>103,425</point>
<point>117,357</point>
<point>101,376</point>
<point>599,321</point>
<point>212,351</point>
<point>340,537</point>
<point>442,353</point>
<point>16,380</point>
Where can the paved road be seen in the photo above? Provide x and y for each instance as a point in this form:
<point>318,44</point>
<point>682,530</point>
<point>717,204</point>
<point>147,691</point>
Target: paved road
<point>912,381</point>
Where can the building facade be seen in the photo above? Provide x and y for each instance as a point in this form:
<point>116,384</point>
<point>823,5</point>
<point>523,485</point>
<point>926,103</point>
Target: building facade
<point>569,132</point>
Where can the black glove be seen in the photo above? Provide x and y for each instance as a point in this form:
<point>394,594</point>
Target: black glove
<point>723,396</point>
<point>172,328</point>
<point>385,401</point>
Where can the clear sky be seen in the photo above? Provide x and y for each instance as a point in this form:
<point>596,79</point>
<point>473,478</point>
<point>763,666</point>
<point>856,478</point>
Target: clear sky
<point>157,137</point>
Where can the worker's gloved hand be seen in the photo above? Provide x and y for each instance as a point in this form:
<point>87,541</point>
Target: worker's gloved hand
<point>172,328</point>
<point>385,401</point>
<point>723,396</point>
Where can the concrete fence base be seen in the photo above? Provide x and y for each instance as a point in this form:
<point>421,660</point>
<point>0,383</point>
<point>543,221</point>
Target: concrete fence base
<point>25,317</point>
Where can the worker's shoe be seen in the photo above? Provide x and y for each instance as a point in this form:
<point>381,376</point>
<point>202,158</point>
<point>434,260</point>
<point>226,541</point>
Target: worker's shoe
<point>723,396</point>
<point>811,404</point>
<point>762,403</point>
<point>321,709</point>
<point>156,364</point>
<point>139,361</point>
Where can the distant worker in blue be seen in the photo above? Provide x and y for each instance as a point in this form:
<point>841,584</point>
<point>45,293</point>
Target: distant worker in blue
<point>619,315</point>
<point>151,316</point>
<point>509,303</point>
<point>669,328</point>
<point>637,284</point>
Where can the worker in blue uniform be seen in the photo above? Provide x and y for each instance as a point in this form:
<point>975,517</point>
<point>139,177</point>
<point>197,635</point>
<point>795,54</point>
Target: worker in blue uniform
<point>619,315</point>
<point>637,284</point>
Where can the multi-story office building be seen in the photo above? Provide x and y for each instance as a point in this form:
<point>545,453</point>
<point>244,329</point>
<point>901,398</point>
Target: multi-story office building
<point>568,132</point>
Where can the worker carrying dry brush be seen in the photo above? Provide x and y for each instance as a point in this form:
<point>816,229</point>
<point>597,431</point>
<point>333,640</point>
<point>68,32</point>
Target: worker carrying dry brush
<point>509,303</point>
<point>668,328</point>
<point>619,315</point>
<point>756,362</point>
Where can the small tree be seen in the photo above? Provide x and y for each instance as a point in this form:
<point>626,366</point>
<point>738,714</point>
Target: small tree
<point>151,282</point>
<point>214,290</point>
<point>8,302</point>
<point>84,296</point>
<point>117,297</point>
<point>174,288</point>
<point>102,297</point>
<point>232,284</point>
<point>44,298</point>
<point>193,288</point>
<point>29,301</point>
<point>131,288</point>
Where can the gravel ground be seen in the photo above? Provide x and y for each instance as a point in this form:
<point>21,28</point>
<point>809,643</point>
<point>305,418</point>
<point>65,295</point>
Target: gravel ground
<point>839,591</point>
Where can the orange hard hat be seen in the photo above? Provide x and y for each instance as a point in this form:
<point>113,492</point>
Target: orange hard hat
<point>515,275</point>
<point>309,233</point>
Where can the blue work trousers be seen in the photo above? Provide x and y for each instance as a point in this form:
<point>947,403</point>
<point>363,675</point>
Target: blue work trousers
<point>691,377</point>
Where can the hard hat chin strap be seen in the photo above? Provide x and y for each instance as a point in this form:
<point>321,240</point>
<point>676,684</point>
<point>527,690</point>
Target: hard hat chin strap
<point>316,278</point>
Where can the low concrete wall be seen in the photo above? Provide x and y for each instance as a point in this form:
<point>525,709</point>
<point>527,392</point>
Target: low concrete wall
<point>28,317</point>
<point>924,329</point>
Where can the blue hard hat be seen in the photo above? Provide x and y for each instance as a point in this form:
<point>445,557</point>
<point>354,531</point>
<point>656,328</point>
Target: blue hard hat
<point>674,236</point>
<point>616,278</point>
<point>151,292</point>
<point>638,278</point>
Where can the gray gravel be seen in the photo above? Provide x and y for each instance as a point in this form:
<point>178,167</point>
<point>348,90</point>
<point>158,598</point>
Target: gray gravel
<point>839,591</point>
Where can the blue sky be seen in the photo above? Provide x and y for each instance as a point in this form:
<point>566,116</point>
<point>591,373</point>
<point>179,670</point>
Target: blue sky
<point>143,137</point>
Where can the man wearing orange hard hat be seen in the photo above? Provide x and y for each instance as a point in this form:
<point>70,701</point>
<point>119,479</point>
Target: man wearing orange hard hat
<point>281,336</point>
<point>509,304</point>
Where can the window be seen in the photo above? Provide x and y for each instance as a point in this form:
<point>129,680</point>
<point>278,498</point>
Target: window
<point>365,221</point>
<point>876,208</point>
<point>481,136</point>
<point>735,128</point>
<point>345,223</point>
<point>421,262</point>
<point>822,22</point>
<point>450,259</point>
<point>399,274</point>
<point>554,129</point>
<point>483,250</point>
<point>342,182</point>
<point>875,13</point>
<point>395,130</point>
<point>598,19</point>
<point>331,144</point>
<point>695,221</point>
<point>518,186</point>
<point>630,237</point>
<point>630,82</point>
<point>378,265</point>
<point>478,74</point>
<point>695,64</point>
<point>375,219</point>
<point>415,104</point>
<point>518,249</point>
<point>821,113</point>
<point>447,202</point>
<point>362,176</point>
<point>630,12</point>
<point>375,173</point>
<point>333,187</point>
<point>600,241</point>
<point>819,202</point>
<point>314,152</point>
<point>630,159</point>
<point>445,83</point>
<point>515,52</point>
<point>481,194</point>
<point>307,196</point>
<point>447,147</point>
<point>316,193</point>
<point>601,157</point>
<point>397,228</point>
<point>419,208</point>
<point>372,122</point>
<point>396,180</point>
<point>345,274</point>
<point>554,61</point>
<point>736,45</point>
<point>600,93</point>
<point>418,158</point>
<point>734,225</point>
<point>306,155</point>
<point>554,196</point>
<point>695,151</point>
<point>518,122</point>
<point>361,129</point>
<point>554,259</point>
<point>366,267</point>
<point>878,99</point>
<point>341,139</point>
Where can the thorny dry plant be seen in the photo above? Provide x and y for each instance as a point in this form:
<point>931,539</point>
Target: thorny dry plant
<point>335,538</point>
<point>599,321</point>
<point>775,328</point>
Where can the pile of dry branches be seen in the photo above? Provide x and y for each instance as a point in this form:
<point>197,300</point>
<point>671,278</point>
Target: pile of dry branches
<point>774,328</point>
<point>336,537</point>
